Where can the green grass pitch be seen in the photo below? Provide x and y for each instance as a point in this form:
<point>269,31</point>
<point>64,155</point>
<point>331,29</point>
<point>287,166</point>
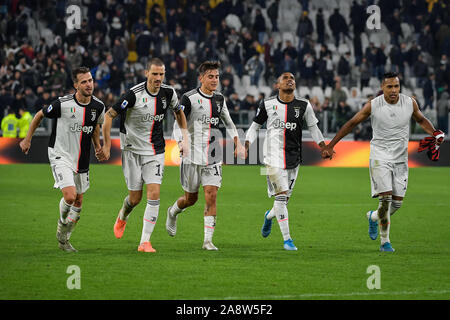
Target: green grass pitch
<point>327,222</point>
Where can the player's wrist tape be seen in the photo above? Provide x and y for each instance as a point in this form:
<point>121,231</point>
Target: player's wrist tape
<point>438,134</point>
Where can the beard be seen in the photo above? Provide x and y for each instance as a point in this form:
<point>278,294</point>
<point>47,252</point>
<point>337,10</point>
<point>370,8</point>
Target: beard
<point>288,90</point>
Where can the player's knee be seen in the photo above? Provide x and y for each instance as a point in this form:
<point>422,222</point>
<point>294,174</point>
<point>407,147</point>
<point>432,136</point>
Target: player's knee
<point>78,201</point>
<point>70,197</point>
<point>191,199</point>
<point>210,196</point>
<point>134,200</point>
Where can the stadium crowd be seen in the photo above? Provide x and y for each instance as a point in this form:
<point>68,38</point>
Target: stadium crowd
<point>337,60</point>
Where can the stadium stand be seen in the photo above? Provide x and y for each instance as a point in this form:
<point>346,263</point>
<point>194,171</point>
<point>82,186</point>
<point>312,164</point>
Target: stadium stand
<point>117,37</point>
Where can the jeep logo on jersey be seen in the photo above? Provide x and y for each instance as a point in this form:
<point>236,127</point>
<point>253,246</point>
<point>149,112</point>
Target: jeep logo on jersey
<point>208,120</point>
<point>78,128</point>
<point>151,117</point>
<point>285,125</point>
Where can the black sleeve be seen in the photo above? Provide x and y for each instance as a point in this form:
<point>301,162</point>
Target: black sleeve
<point>53,110</point>
<point>185,105</point>
<point>261,114</point>
<point>126,101</point>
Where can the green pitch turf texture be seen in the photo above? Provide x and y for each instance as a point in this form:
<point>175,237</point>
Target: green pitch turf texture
<point>327,221</point>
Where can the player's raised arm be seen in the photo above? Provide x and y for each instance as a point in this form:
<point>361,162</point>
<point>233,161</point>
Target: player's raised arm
<point>25,144</point>
<point>348,127</point>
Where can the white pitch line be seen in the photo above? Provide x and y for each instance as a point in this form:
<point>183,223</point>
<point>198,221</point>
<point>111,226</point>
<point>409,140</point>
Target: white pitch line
<point>350,294</point>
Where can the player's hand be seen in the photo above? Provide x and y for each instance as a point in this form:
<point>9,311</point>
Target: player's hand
<point>240,151</point>
<point>103,153</point>
<point>439,136</point>
<point>25,145</point>
<point>184,148</point>
<point>327,152</point>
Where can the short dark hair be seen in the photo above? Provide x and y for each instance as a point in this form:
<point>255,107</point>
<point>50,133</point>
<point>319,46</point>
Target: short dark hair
<point>155,61</point>
<point>77,71</point>
<point>388,75</point>
<point>208,65</point>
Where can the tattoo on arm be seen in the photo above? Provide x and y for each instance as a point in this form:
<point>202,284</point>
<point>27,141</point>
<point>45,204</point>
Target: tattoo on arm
<point>111,113</point>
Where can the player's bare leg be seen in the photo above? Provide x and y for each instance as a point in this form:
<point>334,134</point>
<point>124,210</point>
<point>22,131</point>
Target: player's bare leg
<point>132,200</point>
<point>209,216</point>
<point>187,200</point>
<point>383,215</point>
<point>150,217</point>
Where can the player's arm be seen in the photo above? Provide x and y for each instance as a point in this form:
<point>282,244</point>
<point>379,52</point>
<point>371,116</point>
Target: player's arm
<point>426,124</point>
<point>239,149</point>
<point>51,111</point>
<point>258,121</point>
<point>182,127</point>
<point>96,141</point>
<point>25,144</point>
<point>360,116</point>
<point>311,122</point>
<point>181,136</point>
<point>126,101</point>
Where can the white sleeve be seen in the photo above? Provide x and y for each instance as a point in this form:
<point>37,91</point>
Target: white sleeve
<point>252,132</point>
<point>177,136</point>
<point>309,116</point>
<point>316,134</point>
<point>227,121</point>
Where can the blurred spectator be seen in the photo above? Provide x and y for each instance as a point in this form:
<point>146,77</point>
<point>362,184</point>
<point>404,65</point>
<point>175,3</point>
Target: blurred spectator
<point>428,92</point>
<point>9,124</point>
<point>443,109</point>
<point>343,114</point>
<point>338,26</point>
<point>254,68</point>
<point>24,122</point>
<point>249,103</point>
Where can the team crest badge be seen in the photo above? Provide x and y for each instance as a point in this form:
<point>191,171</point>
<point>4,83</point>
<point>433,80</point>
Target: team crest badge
<point>93,115</point>
<point>297,112</point>
<point>218,107</point>
<point>164,103</point>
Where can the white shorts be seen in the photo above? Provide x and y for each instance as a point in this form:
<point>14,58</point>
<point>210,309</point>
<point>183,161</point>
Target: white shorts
<point>65,177</point>
<point>140,169</point>
<point>193,175</point>
<point>280,180</point>
<point>388,176</point>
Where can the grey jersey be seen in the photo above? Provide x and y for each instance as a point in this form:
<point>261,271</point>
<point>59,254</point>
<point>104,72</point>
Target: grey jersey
<point>390,124</point>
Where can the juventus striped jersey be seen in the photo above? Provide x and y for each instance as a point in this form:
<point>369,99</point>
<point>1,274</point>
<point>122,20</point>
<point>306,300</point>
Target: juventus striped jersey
<point>73,126</point>
<point>142,115</point>
<point>203,113</point>
<point>283,142</point>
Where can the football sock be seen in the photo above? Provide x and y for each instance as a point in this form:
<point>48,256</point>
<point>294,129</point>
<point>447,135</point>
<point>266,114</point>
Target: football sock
<point>384,209</point>
<point>150,217</point>
<point>125,210</point>
<point>72,219</point>
<point>64,209</point>
<point>271,214</point>
<point>281,212</point>
<point>175,210</point>
<point>396,204</point>
<point>210,224</point>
